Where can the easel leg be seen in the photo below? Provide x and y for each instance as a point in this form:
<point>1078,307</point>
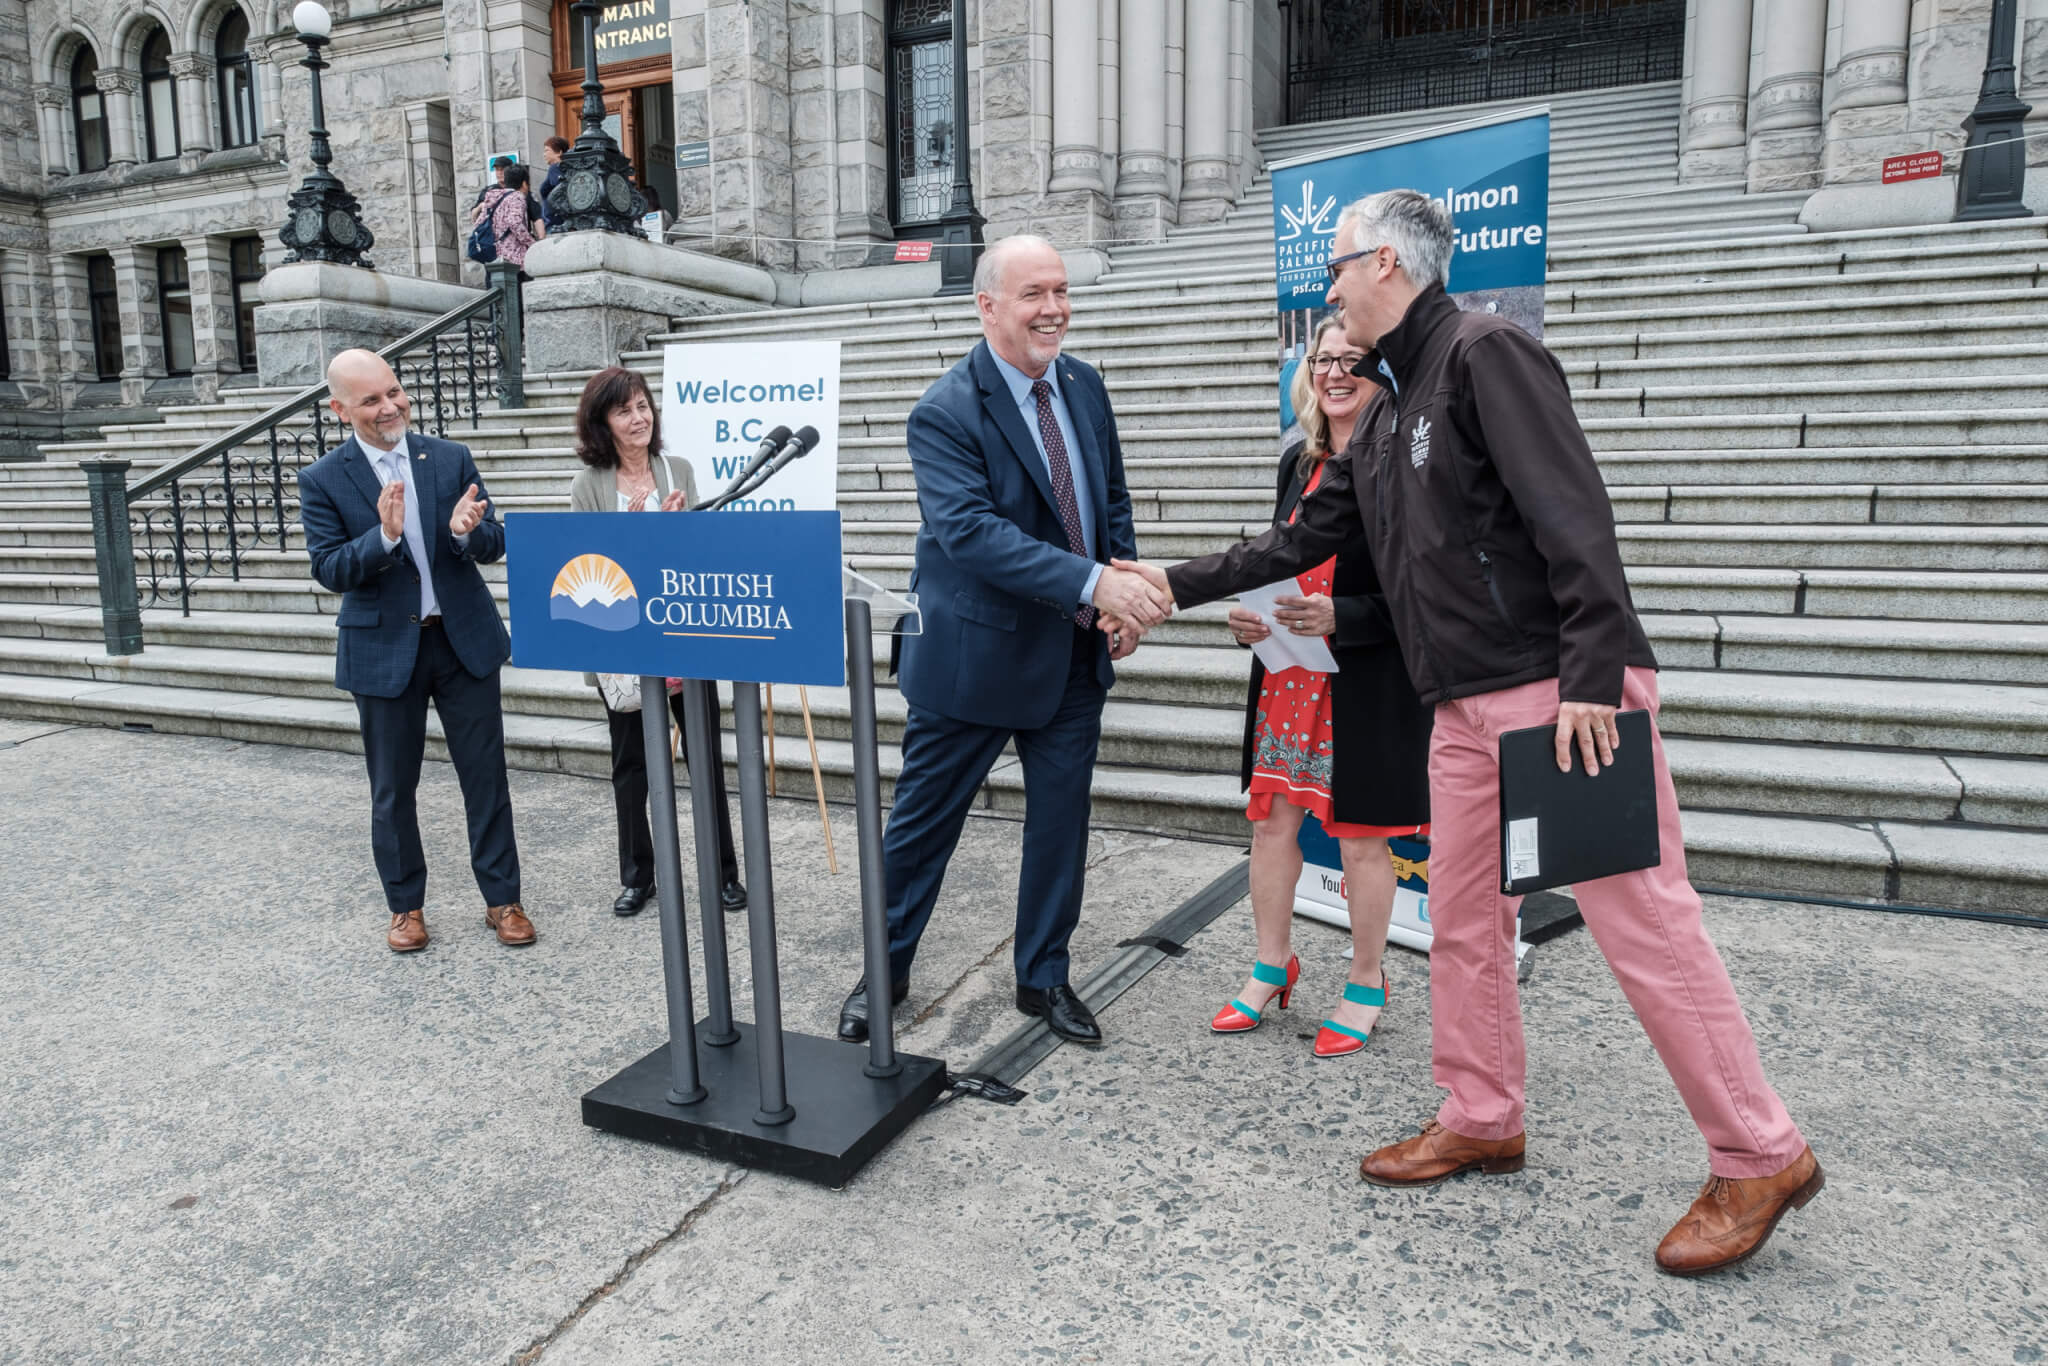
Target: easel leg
<point>818,781</point>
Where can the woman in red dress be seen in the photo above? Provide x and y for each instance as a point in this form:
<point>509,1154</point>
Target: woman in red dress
<point>1351,747</point>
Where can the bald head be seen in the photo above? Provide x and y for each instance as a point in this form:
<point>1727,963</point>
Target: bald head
<point>366,395</point>
<point>1020,286</point>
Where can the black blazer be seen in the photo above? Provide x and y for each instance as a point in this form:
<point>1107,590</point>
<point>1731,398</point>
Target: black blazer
<point>1380,768</point>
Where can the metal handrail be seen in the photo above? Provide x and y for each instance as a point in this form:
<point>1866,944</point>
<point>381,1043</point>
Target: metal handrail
<point>312,393</point>
<point>196,518</point>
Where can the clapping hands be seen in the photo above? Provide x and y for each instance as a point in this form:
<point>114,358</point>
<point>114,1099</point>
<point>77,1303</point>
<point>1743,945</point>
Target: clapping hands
<point>469,511</point>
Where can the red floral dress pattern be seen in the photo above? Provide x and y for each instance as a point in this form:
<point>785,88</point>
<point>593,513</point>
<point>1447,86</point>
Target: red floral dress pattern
<point>1292,749</point>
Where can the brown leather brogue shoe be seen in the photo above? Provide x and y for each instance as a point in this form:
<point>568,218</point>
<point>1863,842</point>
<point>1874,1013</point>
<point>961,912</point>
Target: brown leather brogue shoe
<point>513,928</point>
<point>1733,1218</point>
<point>408,932</point>
<point>1436,1154</point>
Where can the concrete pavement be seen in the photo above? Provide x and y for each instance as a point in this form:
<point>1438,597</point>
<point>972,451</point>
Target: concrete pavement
<point>237,1129</point>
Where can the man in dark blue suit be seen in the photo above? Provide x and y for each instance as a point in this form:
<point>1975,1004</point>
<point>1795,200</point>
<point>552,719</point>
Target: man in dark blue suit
<point>397,523</point>
<point>1020,486</point>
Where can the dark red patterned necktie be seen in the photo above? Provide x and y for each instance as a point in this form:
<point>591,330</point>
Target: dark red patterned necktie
<point>1062,483</point>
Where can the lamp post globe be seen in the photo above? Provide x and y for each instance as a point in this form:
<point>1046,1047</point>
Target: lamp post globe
<point>323,221</point>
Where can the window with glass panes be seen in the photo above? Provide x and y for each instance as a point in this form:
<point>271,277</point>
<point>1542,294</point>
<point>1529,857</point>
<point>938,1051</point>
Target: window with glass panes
<point>920,111</point>
<point>106,317</point>
<point>159,98</point>
<point>245,270</point>
<point>237,82</point>
<point>88,111</point>
<point>174,306</point>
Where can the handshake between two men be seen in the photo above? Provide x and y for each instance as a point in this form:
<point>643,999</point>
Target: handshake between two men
<point>1131,598</point>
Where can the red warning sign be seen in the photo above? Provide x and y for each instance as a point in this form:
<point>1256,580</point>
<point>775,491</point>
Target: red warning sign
<point>922,251</point>
<point>1912,166</point>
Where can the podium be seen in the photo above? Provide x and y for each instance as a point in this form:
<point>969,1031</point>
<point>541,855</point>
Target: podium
<point>749,598</point>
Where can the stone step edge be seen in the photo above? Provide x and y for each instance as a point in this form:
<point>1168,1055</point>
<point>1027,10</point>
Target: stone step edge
<point>1945,863</point>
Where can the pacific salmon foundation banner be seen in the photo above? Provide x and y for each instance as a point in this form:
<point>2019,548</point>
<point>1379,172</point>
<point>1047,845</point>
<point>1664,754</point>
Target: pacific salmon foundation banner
<point>751,597</point>
<point>1494,176</point>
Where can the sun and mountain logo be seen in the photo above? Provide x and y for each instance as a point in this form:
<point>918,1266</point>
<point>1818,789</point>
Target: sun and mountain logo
<point>594,591</point>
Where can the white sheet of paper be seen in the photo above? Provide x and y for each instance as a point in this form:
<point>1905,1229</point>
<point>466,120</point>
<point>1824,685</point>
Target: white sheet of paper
<point>1283,649</point>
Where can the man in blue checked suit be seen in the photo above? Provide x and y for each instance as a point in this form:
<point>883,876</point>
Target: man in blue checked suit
<point>1020,486</point>
<point>397,523</point>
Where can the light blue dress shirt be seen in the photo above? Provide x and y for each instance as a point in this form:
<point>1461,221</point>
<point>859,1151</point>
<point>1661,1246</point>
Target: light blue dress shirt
<point>397,464</point>
<point>1084,494</point>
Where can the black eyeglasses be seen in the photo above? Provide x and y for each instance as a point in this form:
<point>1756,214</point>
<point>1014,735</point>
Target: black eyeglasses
<point>1321,364</point>
<point>1338,262</point>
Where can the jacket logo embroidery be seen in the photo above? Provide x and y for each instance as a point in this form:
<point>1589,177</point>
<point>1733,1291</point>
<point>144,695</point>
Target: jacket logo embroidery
<point>1418,443</point>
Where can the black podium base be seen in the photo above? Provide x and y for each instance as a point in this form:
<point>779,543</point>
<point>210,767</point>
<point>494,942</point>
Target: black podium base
<point>843,1117</point>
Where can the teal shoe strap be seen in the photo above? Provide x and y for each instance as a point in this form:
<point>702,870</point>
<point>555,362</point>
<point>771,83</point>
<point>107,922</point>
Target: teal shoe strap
<point>1270,975</point>
<point>1362,1035</point>
<point>1241,1008</point>
<point>1364,996</point>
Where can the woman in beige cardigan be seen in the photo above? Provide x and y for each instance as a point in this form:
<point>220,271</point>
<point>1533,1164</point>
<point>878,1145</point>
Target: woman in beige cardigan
<point>618,438</point>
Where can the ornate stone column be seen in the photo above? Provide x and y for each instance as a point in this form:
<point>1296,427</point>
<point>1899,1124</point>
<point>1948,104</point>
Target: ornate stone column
<point>53,102</point>
<point>1076,144</point>
<point>1206,190</point>
<point>1784,112</point>
<point>142,342</point>
<point>213,315</point>
<point>1143,209</point>
<point>118,89</point>
<point>1867,105</point>
<point>1716,113</point>
<point>193,72</point>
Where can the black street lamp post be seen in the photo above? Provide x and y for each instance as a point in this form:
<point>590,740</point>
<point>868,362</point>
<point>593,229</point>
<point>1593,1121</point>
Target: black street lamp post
<point>960,244</point>
<point>595,191</point>
<point>323,221</point>
<point>1995,160</point>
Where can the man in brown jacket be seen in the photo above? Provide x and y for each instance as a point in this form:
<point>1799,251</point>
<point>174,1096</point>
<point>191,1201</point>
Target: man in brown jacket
<point>1471,481</point>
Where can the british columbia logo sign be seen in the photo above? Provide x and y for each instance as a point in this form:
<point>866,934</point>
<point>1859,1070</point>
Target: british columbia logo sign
<point>593,590</point>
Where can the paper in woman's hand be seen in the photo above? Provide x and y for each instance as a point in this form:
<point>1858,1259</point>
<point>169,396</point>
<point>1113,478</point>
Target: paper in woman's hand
<point>1283,649</point>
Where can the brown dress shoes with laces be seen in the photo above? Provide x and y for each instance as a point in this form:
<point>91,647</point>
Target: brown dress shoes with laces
<point>1733,1218</point>
<point>513,928</point>
<point>408,932</point>
<point>1436,1154</point>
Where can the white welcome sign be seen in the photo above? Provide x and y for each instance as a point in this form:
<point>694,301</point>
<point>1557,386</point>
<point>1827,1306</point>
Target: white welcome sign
<point>719,401</point>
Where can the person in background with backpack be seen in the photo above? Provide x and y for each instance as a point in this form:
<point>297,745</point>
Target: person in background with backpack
<point>513,220</point>
<point>618,438</point>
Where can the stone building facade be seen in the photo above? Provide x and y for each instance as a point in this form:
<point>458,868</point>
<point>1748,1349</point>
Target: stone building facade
<point>147,146</point>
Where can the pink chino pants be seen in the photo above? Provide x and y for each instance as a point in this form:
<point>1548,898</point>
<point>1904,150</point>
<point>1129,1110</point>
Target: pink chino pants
<point>1647,924</point>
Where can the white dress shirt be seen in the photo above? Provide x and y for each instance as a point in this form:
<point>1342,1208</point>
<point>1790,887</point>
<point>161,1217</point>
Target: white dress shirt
<point>396,464</point>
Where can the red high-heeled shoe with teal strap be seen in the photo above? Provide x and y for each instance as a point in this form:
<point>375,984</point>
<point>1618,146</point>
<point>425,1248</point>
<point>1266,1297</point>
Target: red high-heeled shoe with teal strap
<point>1335,1040</point>
<point>1239,1018</point>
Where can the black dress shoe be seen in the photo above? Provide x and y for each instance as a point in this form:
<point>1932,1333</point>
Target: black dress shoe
<point>631,900</point>
<point>733,897</point>
<point>853,1016</point>
<point>1062,1010</point>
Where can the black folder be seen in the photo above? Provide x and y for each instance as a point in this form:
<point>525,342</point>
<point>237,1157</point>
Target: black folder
<point>1558,829</point>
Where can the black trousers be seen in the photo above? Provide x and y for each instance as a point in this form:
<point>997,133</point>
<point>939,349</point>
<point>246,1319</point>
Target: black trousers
<point>395,742</point>
<point>629,794</point>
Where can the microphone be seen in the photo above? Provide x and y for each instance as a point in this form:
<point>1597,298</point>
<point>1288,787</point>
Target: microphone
<point>800,445</point>
<point>794,449</point>
<point>763,453</point>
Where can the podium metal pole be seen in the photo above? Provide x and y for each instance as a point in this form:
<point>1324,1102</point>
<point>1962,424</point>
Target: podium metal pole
<point>746,710</point>
<point>707,760</point>
<point>684,1088</point>
<point>867,811</point>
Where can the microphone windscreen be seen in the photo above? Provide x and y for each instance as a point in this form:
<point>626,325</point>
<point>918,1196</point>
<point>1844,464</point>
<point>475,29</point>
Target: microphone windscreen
<point>776,437</point>
<point>808,436</point>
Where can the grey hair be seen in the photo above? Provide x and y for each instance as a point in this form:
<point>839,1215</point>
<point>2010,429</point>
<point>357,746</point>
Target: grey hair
<point>1417,227</point>
<point>988,272</point>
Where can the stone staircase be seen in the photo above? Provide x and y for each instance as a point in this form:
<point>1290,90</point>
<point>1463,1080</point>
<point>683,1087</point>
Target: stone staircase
<point>1826,457</point>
